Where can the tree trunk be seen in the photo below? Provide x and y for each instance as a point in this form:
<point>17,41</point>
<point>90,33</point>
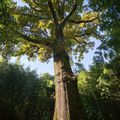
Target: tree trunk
<point>67,103</point>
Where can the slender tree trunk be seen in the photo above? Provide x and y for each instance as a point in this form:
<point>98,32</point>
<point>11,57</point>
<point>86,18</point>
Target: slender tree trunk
<point>67,104</point>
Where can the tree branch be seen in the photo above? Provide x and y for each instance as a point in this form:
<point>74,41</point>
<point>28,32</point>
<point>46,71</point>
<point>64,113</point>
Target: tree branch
<point>35,9</point>
<point>53,11</point>
<point>58,4</point>
<point>70,14</point>
<point>34,51</point>
<point>59,9</point>
<point>63,7</point>
<point>35,3</point>
<point>98,35</point>
<point>22,52</point>
<point>18,12</point>
<point>29,39</point>
<point>84,34</point>
<point>82,21</point>
<point>38,10</point>
<point>29,15</point>
<point>83,42</point>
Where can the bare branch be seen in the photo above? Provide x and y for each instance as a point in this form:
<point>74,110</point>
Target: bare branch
<point>53,11</point>
<point>70,14</point>
<point>82,21</point>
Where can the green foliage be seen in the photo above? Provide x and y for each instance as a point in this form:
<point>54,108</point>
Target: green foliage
<point>110,24</point>
<point>110,11</point>
<point>23,96</point>
<point>31,29</point>
<point>99,87</point>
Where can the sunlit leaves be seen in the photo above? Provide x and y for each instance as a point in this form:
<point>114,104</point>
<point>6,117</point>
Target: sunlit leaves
<point>44,25</point>
<point>90,16</point>
<point>83,84</point>
<point>34,19</point>
<point>44,53</point>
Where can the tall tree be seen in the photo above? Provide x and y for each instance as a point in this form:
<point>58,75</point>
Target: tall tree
<point>51,28</point>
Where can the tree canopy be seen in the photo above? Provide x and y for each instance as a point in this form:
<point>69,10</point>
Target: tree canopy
<point>30,29</point>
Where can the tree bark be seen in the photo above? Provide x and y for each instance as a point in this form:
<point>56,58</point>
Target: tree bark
<point>67,103</point>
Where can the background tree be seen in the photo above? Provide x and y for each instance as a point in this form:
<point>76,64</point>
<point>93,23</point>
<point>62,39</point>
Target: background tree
<point>110,23</point>
<point>102,80</point>
<point>24,96</point>
<point>99,88</point>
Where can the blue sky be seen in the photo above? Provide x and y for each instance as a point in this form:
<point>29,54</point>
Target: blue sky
<point>36,65</point>
<point>49,67</point>
<point>19,2</point>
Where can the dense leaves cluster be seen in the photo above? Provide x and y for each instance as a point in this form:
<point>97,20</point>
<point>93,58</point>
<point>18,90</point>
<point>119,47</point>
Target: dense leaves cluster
<point>100,90</point>
<point>23,95</point>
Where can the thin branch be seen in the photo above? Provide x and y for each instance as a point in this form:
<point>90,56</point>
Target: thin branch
<point>35,3</point>
<point>22,52</point>
<point>53,11</point>
<point>58,4</point>
<point>100,36</point>
<point>34,51</point>
<point>70,14</point>
<point>16,12</point>
<point>79,41</point>
<point>29,15</point>
<point>29,39</point>
<point>63,5</point>
<point>59,9</point>
<point>82,21</point>
<point>35,9</point>
<point>84,34</point>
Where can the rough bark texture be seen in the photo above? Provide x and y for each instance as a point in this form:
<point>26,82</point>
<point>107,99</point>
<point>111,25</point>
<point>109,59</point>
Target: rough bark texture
<point>67,104</point>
